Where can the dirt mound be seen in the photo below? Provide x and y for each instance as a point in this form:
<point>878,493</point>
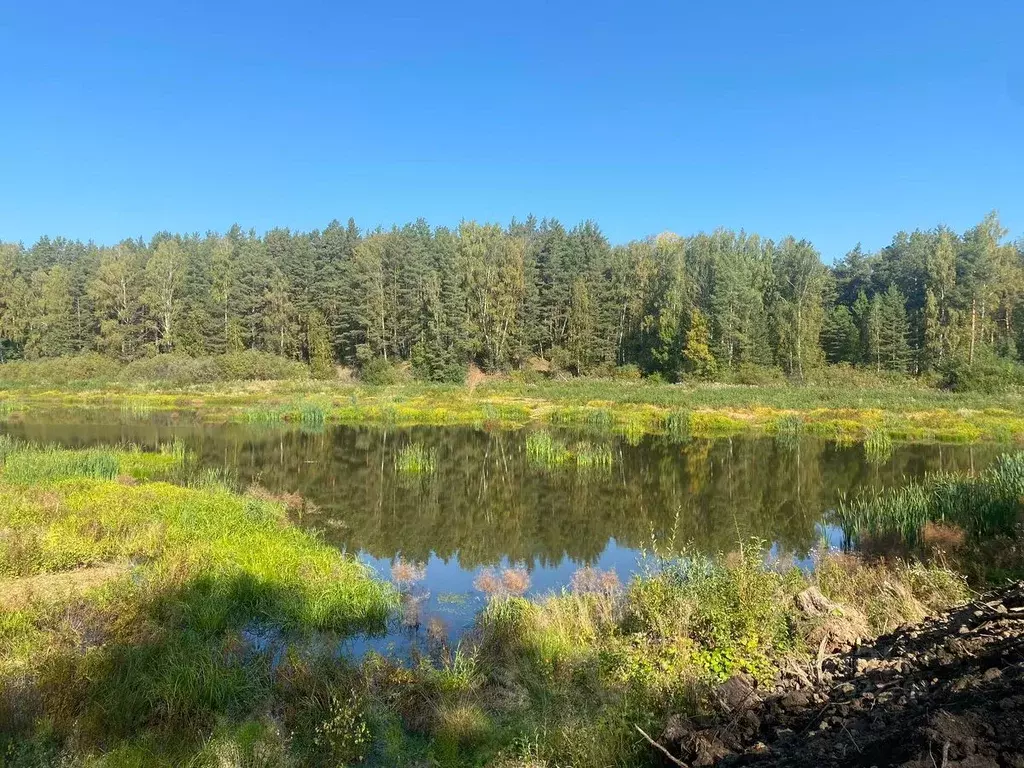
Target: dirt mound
<point>948,693</point>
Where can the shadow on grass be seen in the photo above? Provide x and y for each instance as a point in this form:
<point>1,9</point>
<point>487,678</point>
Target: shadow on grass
<point>168,667</point>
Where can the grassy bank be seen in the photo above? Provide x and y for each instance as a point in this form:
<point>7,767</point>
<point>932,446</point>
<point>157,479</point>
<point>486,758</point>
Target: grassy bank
<point>857,409</point>
<point>143,623</point>
<point>149,624</point>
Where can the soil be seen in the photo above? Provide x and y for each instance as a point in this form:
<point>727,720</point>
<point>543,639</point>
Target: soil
<point>947,693</point>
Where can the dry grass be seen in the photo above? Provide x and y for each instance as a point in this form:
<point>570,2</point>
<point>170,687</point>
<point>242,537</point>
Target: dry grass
<point>509,582</point>
<point>889,594</point>
<point>405,573</point>
<point>594,581</point>
<point>55,587</point>
<point>293,502</point>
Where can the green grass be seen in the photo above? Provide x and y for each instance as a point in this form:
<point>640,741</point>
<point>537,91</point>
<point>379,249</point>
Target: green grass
<point>848,408</point>
<point>547,452</point>
<point>878,447</point>
<point>29,463</point>
<point>416,459</point>
<point>543,450</point>
<point>988,504</point>
<point>216,610</point>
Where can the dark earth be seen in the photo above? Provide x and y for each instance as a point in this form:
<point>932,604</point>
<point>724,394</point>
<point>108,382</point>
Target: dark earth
<point>947,693</point>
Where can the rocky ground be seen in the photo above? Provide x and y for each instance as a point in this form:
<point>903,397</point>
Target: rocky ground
<point>948,693</point>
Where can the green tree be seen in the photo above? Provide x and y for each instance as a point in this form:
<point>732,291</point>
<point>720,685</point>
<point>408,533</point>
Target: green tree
<point>697,357</point>
<point>164,277</point>
<point>318,346</point>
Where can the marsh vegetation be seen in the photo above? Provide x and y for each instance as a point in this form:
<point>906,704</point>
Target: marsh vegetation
<point>185,598</point>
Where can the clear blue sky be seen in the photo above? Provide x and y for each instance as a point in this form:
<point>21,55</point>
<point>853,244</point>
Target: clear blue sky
<point>834,121</point>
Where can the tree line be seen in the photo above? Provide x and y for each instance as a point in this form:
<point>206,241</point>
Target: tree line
<point>498,297</point>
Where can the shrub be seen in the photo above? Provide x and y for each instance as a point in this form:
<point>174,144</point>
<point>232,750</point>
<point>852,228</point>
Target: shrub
<point>252,365</point>
<point>756,375</point>
<point>60,370</point>
<point>987,375</point>
<point>628,372</point>
<point>379,372</point>
<point>174,369</point>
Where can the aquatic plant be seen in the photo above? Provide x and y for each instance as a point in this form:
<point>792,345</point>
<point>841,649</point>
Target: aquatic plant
<point>508,582</point>
<point>878,447</point>
<point>677,424</point>
<point>590,457</point>
<point>982,505</point>
<point>634,429</point>
<point>416,459</point>
<point>405,573</point>
<point>594,581</point>
<point>31,463</point>
<point>787,430</point>
<point>544,450</point>
<point>312,416</point>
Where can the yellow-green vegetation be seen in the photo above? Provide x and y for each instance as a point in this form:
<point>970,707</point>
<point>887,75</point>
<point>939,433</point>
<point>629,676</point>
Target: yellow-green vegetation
<point>565,680</point>
<point>545,451</point>
<point>416,459</point>
<point>142,623</point>
<point>842,410</point>
<point>25,463</point>
<point>156,624</point>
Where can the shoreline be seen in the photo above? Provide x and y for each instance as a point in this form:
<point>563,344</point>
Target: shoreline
<point>630,410</point>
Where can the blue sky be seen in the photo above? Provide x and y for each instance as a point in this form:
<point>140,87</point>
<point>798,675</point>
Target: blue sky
<point>837,122</point>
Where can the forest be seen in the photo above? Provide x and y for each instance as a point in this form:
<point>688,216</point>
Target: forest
<point>670,307</point>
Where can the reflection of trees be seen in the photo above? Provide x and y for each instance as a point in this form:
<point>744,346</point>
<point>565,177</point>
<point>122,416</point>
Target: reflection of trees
<point>485,501</point>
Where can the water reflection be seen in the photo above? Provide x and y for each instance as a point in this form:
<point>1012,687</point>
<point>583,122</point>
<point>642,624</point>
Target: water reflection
<point>485,504</point>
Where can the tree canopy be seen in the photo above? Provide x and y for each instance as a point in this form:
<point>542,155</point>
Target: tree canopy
<point>497,296</point>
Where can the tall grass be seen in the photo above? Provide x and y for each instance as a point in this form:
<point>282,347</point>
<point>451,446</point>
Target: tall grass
<point>878,447</point>
<point>26,463</point>
<point>983,505</point>
<point>416,459</point>
<point>544,451</point>
<point>590,457</point>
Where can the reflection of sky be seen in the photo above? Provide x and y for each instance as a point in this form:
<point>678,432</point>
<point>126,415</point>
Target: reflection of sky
<point>446,592</point>
<point>718,490</point>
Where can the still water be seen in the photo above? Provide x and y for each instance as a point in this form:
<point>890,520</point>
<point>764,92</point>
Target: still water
<point>486,505</point>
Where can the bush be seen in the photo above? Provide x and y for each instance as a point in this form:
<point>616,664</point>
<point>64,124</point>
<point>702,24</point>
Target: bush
<point>379,372</point>
<point>174,369</point>
<point>252,365</point>
<point>756,375</point>
<point>988,375</point>
<point>60,370</point>
<point>629,372</point>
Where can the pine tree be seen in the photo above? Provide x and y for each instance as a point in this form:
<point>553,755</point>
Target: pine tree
<point>840,336</point>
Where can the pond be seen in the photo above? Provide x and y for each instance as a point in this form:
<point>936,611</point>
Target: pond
<point>485,500</point>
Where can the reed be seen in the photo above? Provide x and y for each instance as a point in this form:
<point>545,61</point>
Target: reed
<point>878,447</point>
<point>983,505</point>
<point>543,450</point>
<point>416,459</point>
